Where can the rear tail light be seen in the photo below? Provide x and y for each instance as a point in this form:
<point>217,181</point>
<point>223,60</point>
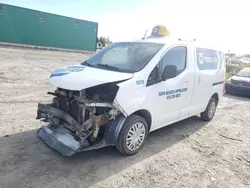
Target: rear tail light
<point>223,88</point>
<point>224,85</point>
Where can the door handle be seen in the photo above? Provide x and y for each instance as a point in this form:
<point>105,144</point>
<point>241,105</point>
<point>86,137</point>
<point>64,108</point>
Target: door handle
<point>199,79</point>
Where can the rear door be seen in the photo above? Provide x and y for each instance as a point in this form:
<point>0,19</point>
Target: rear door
<point>208,71</point>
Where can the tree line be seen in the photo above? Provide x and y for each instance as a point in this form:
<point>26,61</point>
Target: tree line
<point>103,40</point>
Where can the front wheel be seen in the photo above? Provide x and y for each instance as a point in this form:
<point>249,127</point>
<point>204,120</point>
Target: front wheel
<point>208,114</point>
<point>133,134</point>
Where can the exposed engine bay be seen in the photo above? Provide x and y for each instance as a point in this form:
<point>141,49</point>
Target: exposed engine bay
<point>78,119</point>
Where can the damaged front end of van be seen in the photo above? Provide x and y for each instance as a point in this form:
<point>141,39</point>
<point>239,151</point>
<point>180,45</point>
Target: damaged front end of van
<point>84,113</point>
<point>90,103</point>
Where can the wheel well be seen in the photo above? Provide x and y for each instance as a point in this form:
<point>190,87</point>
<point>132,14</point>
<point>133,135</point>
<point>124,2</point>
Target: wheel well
<point>146,115</point>
<point>215,96</point>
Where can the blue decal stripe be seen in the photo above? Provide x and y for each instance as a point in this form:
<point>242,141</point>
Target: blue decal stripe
<point>58,74</point>
<point>67,70</point>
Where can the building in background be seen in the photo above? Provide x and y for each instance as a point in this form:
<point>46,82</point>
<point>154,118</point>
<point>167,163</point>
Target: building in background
<point>31,27</point>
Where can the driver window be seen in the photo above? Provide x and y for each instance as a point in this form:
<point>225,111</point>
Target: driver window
<point>154,76</point>
<point>176,56</point>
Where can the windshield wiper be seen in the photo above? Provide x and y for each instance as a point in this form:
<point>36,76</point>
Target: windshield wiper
<point>110,67</point>
<point>87,64</point>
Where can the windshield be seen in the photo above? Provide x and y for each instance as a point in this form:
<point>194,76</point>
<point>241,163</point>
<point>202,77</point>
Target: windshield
<point>124,56</point>
<point>244,73</point>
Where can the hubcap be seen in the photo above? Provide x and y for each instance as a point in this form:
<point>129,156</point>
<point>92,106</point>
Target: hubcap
<point>135,136</point>
<point>211,109</point>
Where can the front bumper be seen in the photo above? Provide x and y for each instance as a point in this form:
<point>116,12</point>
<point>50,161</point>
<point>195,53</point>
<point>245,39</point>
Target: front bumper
<point>237,89</point>
<point>60,138</point>
<point>65,143</point>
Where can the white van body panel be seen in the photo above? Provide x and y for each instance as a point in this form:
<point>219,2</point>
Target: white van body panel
<point>78,77</point>
<point>208,82</point>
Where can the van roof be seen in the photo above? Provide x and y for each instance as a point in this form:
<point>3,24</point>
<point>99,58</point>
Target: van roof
<point>170,41</point>
<point>163,40</point>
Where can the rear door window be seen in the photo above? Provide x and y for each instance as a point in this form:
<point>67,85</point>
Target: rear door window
<point>208,59</point>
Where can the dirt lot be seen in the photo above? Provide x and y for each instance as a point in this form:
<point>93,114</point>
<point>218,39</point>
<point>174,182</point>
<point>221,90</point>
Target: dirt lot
<point>187,154</point>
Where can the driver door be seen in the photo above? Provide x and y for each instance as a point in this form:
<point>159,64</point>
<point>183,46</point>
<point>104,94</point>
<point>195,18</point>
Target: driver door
<point>171,97</point>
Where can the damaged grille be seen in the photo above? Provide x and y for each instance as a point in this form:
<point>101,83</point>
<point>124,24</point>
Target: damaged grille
<point>63,103</point>
<point>70,105</point>
<point>83,113</point>
<point>74,109</point>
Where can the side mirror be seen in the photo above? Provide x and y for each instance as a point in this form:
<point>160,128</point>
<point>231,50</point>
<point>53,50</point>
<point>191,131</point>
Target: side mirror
<point>170,71</point>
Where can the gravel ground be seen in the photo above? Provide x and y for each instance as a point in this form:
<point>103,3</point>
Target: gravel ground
<point>190,153</point>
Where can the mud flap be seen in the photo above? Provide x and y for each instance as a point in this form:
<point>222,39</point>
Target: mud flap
<point>64,143</point>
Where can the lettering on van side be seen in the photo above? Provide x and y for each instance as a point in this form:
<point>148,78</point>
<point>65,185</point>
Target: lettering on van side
<point>171,94</point>
<point>139,82</point>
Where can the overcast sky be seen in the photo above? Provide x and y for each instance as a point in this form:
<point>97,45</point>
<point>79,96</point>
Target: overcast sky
<point>223,24</point>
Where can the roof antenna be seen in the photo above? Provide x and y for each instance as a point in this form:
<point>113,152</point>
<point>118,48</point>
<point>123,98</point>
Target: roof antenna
<point>145,34</point>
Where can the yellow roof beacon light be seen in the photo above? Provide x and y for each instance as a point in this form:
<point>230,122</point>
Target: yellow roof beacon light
<point>159,30</point>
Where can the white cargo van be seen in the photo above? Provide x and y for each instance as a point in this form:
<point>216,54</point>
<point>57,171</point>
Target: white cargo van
<point>128,89</point>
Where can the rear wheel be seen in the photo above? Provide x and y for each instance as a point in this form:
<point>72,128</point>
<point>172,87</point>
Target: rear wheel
<point>208,114</point>
<point>132,136</point>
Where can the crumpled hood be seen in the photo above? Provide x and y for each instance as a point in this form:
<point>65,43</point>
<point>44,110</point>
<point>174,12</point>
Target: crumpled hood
<point>78,77</point>
<point>242,79</point>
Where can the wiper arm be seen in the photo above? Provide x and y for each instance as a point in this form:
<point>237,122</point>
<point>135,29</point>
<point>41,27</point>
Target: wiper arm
<point>86,63</point>
<point>103,65</point>
<point>109,67</point>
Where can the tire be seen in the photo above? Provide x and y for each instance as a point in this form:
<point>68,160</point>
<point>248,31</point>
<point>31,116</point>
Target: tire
<point>124,136</point>
<point>207,115</point>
